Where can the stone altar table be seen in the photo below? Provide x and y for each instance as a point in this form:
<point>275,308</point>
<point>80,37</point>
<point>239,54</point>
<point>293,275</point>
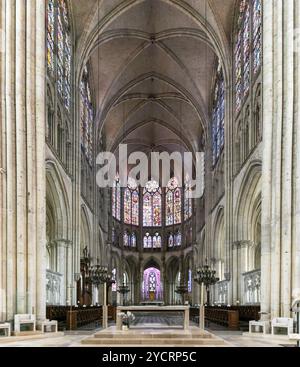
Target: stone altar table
<point>158,309</point>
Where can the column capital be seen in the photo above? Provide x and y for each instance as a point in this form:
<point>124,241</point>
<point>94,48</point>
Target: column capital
<point>242,244</point>
<point>62,243</point>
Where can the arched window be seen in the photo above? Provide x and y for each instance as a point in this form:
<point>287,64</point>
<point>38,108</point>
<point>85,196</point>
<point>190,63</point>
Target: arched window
<point>116,199</point>
<point>86,116</point>
<point>131,203</point>
<point>64,54</point>
<point>178,239</point>
<point>188,211</point>
<point>170,241</point>
<point>50,36</point>
<point>218,115</point>
<point>152,205</point>
<point>173,203</point>
<point>59,60</point>
<point>156,241</point>
<point>114,277</point>
<point>257,42</point>
<point>152,281</point>
<point>190,281</point>
<point>133,240</point>
<point>147,241</point>
<point>126,239</point>
<point>247,45</point>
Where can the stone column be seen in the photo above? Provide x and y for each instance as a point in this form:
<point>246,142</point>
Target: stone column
<point>229,165</point>
<point>62,261</point>
<point>240,265</point>
<point>296,177</point>
<point>280,177</point>
<point>23,241</point>
<point>2,163</point>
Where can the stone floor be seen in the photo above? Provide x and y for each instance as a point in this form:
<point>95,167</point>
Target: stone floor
<point>74,339</point>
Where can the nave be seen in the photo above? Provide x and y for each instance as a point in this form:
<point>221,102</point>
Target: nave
<point>145,83</point>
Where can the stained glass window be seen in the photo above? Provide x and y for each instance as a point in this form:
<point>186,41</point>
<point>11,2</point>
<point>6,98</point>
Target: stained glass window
<point>50,36</point>
<point>173,203</point>
<point>190,281</point>
<point>156,241</point>
<point>86,116</point>
<point>218,115</point>
<point>64,54</point>
<point>248,45</point>
<point>257,42</point>
<point>147,241</point>
<point>116,199</point>
<point>152,205</point>
<point>178,239</point>
<point>133,240</point>
<point>114,277</point>
<point>126,239</point>
<point>171,241</point>
<point>188,210</point>
<point>59,59</point>
<point>131,203</point>
<point>246,48</point>
<point>152,282</point>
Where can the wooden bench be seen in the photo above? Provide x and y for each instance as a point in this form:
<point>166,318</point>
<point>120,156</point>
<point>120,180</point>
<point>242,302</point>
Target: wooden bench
<point>228,318</point>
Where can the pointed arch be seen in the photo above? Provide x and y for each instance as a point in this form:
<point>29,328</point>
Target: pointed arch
<point>57,199</point>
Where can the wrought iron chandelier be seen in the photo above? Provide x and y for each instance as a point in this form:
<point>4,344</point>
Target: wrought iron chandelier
<point>207,276</point>
<point>98,274</point>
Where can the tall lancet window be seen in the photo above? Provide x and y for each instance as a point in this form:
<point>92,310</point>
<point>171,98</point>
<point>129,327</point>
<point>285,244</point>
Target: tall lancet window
<point>116,199</point>
<point>131,203</point>
<point>86,116</point>
<point>247,51</point>
<point>218,115</point>
<point>152,205</point>
<point>188,209</point>
<point>257,36</point>
<point>50,36</point>
<point>59,58</point>
<point>173,202</point>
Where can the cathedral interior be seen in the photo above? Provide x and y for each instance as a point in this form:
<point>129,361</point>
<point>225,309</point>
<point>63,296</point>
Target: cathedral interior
<point>216,77</point>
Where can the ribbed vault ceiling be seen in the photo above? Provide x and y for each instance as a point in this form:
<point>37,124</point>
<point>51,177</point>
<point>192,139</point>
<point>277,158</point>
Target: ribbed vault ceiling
<point>152,65</point>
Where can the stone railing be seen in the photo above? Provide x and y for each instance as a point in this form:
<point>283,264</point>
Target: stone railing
<point>252,281</point>
<point>53,287</point>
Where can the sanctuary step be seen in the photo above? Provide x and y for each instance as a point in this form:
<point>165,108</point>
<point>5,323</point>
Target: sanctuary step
<point>25,336</point>
<point>26,333</point>
<point>191,337</point>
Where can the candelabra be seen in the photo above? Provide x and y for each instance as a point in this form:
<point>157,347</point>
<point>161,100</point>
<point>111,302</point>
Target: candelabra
<point>182,289</point>
<point>123,289</point>
<point>97,275</point>
<point>207,276</point>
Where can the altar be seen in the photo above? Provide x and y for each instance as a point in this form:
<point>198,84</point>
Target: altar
<point>155,309</point>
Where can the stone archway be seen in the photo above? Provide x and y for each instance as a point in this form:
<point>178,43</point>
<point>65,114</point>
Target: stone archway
<point>59,250</point>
